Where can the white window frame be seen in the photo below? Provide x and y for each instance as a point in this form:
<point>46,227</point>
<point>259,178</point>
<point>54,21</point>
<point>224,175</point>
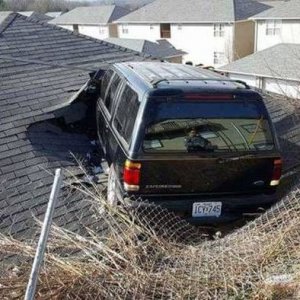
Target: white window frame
<point>124,28</point>
<point>102,29</point>
<point>273,27</point>
<point>219,30</point>
<point>219,57</point>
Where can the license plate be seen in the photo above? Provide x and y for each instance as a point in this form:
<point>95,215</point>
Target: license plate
<point>207,209</point>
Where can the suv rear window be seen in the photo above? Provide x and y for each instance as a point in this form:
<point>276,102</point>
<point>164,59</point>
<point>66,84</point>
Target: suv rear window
<point>208,127</point>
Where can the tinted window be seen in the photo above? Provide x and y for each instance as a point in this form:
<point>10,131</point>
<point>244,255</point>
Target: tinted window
<point>105,81</point>
<point>126,113</point>
<point>111,92</point>
<point>208,127</point>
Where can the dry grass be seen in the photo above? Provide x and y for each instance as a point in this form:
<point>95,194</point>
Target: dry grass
<point>151,254</point>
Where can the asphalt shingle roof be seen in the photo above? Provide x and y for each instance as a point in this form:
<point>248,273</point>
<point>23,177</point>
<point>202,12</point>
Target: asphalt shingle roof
<point>91,15</point>
<point>284,10</point>
<point>160,49</point>
<point>194,11</point>
<point>42,66</point>
<point>279,61</point>
<point>31,14</point>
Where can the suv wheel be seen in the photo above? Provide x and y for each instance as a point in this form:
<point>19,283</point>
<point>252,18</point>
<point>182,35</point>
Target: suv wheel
<point>112,198</point>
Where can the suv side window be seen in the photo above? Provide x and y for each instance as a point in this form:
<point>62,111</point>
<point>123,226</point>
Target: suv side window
<point>126,113</point>
<point>104,84</point>
<point>111,92</point>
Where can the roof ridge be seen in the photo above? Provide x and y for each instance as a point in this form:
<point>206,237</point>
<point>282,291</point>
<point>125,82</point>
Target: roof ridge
<point>7,21</point>
<point>53,26</point>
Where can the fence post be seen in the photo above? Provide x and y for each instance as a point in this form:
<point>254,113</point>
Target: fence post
<point>39,255</point>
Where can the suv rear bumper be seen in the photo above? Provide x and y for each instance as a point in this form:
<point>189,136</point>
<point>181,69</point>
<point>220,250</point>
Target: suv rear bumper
<point>233,207</point>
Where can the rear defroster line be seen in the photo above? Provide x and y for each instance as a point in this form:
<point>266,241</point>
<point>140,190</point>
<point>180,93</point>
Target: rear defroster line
<point>241,135</point>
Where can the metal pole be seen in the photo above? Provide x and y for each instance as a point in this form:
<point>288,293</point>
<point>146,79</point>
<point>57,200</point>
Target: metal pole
<point>39,255</point>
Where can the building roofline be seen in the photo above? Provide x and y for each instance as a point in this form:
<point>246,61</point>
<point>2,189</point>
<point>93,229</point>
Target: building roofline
<point>85,24</point>
<point>5,24</point>
<point>258,75</point>
<point>8,20</point>
<point>174,22</point>
<point>274,18</point>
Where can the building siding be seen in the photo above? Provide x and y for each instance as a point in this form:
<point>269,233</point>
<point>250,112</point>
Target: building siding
<point>94,31</point>
<point>289,33</point>
<point>197,40</point>
<point>278,86</point>
<point>69,27</point>
<point>140,31</point>
<point>244,39</point>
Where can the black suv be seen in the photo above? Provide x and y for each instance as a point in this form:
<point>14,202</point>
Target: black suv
<point>187,139</point>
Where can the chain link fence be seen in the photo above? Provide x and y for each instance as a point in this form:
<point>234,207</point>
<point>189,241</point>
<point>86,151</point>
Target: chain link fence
<point>97,251</point>
<point>150,253</point>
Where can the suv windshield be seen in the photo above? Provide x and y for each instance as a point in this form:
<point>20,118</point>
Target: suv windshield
<point>208,127</point>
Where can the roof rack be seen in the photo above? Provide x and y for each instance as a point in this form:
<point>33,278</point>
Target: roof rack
<point>155,82</point>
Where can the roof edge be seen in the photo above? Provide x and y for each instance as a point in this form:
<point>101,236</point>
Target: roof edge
<point>259,75</point>
<point>7,21</point>
<point>173,22</point>
<point>13,16</point>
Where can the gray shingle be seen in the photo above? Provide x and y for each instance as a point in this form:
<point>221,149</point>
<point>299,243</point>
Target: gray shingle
<point>283,10</point>
<point>194,11</point>
<point>42,66</point>
<point>160,49</point>
<point>279,61</point>
<point>91,15</point>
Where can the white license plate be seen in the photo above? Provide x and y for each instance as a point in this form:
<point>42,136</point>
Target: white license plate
<point>207,209</point>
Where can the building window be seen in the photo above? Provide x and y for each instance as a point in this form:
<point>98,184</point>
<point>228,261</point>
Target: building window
<point>127,106</point>
<point>273,27</point>
<point>151,27</point>
<point>125,29</point>
<point>165,31</point>
<point>102,29</point>
<point>75,28</point>
<point>219,30</point>
<point>179,26</point>
<point>219,58</point>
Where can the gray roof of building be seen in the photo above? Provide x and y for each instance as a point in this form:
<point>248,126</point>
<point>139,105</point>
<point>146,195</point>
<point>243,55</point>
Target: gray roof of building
<point>91,15</point>
<point>54,14</point>
<point>194,11</point>
<point>159,49</point>
<point>279,61</point>
<point>42,69</point>
<point>283,10</point>
<point>31,14</point>
<point>26,13</point>
<point>40,17</point>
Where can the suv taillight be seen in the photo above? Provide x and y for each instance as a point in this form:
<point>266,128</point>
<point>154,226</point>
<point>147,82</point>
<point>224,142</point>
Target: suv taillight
<point>277,168</point>
<point>132,176</point>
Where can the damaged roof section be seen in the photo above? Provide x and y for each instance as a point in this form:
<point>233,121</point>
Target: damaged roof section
<point>42,69</point>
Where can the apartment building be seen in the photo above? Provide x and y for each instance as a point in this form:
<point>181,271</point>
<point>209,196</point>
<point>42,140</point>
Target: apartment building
<point>93,21</point>
<point>275,69</point>
<point>280,24</point>
<point>212,32</point>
